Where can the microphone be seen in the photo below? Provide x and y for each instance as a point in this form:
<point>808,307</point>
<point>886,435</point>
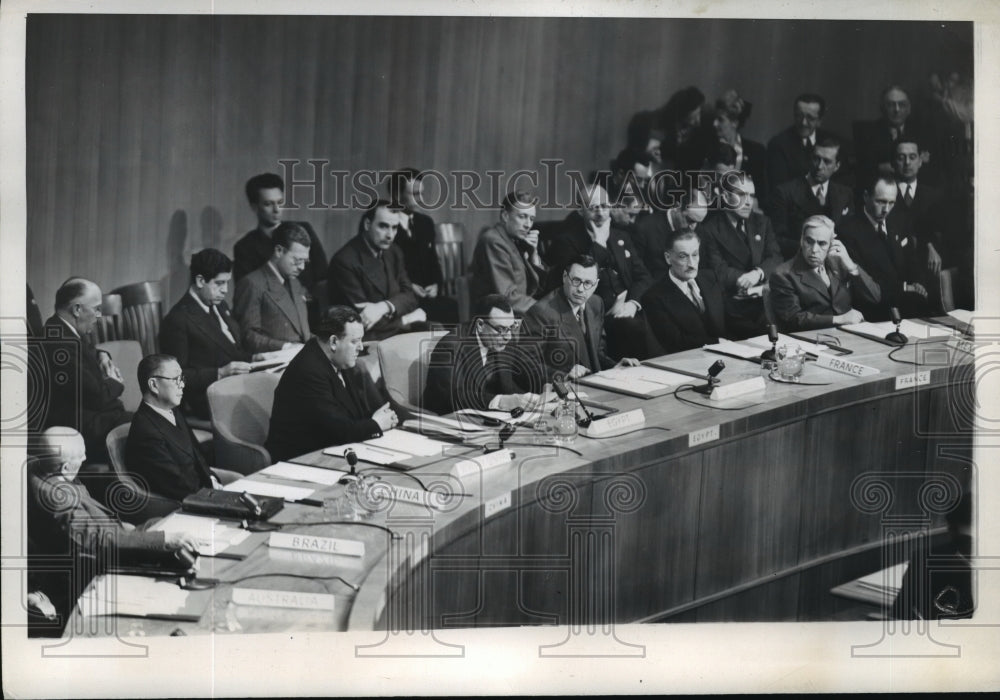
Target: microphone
<point>254,504</point>
<point>562,392</point>
<point>352,460</point>
<point>896,336</point>
<point>710,380</point>
<point>772,335</point>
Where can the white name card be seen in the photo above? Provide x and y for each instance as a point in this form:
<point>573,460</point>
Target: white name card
<point>839,364</point>
<point>962,344</point>
<point>469,467</point>
<point>283,599</point>
<point>700,437</point>
<point>616,424</point>
<point>906,381</point>
<point>740,388</point>
<point>498,504</point>
<point>408,495</point>
<point>311,543</point>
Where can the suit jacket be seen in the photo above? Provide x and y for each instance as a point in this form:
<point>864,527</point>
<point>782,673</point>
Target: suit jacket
<point>926,215</point>
<point>787,159</point>
<point>626,270</point>
<point>890,261</point>
<point>499,267</point>
<point>356,275</point>
<point>268,315</point>
<point>79,395</point>
<point>676,321</point>
<point>795,201</point>
<point>457,378</point>
<point>654,233</point>
<point>419,251</point>
<point>201,348</point>
<point>873,143</point>
<point>255,248</point>
<point>164,457</point>
<point>563,343</point>
<point>728,255</point>
<point>313,409</point>
<point>755,165</point>
<point>802,301</point>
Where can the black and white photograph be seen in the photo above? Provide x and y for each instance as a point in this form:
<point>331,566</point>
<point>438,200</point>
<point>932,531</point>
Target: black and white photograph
<point>483,348</point>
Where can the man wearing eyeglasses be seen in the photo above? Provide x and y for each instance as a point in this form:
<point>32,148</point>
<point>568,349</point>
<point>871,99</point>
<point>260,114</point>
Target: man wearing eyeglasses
<point>161,451</point>
<point>568,324</point>
<point>484,365</point>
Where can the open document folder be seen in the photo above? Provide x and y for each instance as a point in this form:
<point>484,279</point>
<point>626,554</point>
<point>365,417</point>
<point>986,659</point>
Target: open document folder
<point>642,382</point>
<point>392,447</point>
<point>751,348</point>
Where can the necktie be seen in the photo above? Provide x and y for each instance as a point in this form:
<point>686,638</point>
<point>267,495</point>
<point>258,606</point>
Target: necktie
<point>696,296</point>
<point>821,271</point>
<point>820,197</point>
<point>881,229</point>
<point>907,196</point>
<point>288,286</point>
<point>225,329</point>
<point>807,146</point>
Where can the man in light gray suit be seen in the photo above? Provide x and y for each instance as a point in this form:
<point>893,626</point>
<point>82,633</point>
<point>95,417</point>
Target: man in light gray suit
<point>270,302</point>
<point>568,324</point>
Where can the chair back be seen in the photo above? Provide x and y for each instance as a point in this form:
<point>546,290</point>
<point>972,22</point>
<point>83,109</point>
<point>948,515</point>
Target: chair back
<point>946,288</point>
<point>131,500</point>
<point>449,241</point>
<point>142,311</point>
<point>115,442</point>
<point>404,359</point>
<point>109,325</point>
<point>126,355</point>
<point>240,407</point>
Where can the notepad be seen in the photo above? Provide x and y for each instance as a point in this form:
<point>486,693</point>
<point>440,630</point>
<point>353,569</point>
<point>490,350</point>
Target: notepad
<point>299,472</point>
<point>265,488</point>
<point>141,596</point>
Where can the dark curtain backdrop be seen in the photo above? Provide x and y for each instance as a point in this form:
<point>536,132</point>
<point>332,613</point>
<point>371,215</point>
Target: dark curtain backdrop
<point>141,130</point>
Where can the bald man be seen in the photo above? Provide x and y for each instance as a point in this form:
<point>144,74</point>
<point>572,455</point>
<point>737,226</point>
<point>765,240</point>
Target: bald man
<point>64,521</point>
<point>83,384</point>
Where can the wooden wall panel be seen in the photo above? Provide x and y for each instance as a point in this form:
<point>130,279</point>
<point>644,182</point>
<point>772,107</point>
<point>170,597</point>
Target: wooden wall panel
<point>143,129</point>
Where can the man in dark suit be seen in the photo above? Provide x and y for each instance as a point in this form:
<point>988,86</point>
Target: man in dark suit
<point>741,249</point>
<point>64,520</point>
<point>83,383</point>
<point>270,302</point>
<point>790,153</point>
<point>416,238</point>
<point>890,254</point>
<point>923,206</point>
<point>812,195</point>
<point>369,274</point>
<point>875,141</point>
<point>323,398</point>
<point>685,306</point>
<point>568,324</point>
<point>506,259</point>
<point>623,278</point>
<point>201,332</point>
<point>266,194</point>
<point>483,365</point>
<point>817,288</point>
<point>161,451</point>
<point>654,231</point>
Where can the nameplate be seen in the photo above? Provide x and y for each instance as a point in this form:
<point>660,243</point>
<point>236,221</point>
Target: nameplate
<point>616,424</point>
<point>283,599</point>
<point>311,543</point>
<point>839,364</point>
<point>470,467</point>
<point>500,503</point>
<point>907,381</point>
<point>968,346</point>
<point>700,437</point>
<point>407,495</point>
<point>741,388</point>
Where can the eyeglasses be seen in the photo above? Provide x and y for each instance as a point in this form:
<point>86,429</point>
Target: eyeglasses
<point>178,380</point>
<point>582,284</point>
<point>505,330</point>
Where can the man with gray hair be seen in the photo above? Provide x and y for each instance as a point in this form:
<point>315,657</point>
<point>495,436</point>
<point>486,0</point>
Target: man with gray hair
<point>819,286</point>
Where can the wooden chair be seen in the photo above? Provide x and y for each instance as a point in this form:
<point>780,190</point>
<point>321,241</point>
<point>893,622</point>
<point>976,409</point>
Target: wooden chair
<point>109,325</point>
<point>130,497</point>
<point>240,407</point>
<point>142,311</point>
<point>449,242</point>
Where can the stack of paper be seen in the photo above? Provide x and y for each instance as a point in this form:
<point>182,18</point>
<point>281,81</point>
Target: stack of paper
<point>300,472</point>
<point>411,443</point>
<point>265,488</point>
<point>728,347</point>
<point>213,536</point>
<point>368,453</point>
<point>138,596</point>
<point>643,382</point>
<point>762,342</point>
<point>276,360</point>
<point>911,329</point>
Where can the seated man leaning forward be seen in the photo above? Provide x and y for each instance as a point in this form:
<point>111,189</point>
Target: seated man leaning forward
<point>568,325</point>
<point>817,288</point>
<point>323,399</point>
<point>482,365</point>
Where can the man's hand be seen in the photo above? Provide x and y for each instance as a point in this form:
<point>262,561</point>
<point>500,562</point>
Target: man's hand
<point>747,280</point>
<point>385,417</point>
<point>628,362</point>
<point>108,367</point>
<point>840,256</point>
<point>372,313</point>
<point>508,402</point>
<point>421,292</point>
<point>431,290</point>
<point>531,238</point>
<point>234,368</point>
<point>624,309</point>
<point>933,259</point>
<point>916,288</point>
<point>852,316</point>
<point>181,540</point>
<point>415,316</point>
<point>577,371</point>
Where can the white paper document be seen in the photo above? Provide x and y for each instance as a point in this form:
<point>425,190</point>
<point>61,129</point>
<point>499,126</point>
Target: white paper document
<point>368,453</point>
<point>762,342</point>
<point>280,358</point>
<point>911,329</point>
<point>299,472</point>
<point>266,488</point>
<point>118,594</point>
<point>411,443</point>
<point>644,374</point>
<point>747,352</point>
<point>213,536</point>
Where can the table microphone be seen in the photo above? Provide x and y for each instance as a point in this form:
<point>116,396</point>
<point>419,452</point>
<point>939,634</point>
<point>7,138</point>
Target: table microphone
<point>562,392</point>
<point>896,336</point>
<point>711,380</point>
<point>772,335</point>
<point>352,460</point>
